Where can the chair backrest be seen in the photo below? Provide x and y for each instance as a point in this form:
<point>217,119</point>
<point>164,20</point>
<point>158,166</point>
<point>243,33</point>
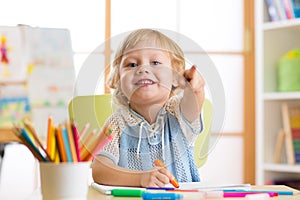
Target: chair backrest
<point>95,109</point>
<point>202,142</point>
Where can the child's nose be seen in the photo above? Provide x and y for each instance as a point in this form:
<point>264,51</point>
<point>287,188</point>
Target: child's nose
<point>143,69</point>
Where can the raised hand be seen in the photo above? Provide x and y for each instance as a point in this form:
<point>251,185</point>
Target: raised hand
<point>194,78</point>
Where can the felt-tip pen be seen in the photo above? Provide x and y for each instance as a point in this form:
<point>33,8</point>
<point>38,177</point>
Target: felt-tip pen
<point>161,196</point>
<point>244,194</point>
<point>127,192</point>
<point>160,188</point>
<point>280,192</point>
<point>173,181</point>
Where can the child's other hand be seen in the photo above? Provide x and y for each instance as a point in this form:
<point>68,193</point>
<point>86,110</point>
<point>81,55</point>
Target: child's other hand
<point>157,177</point>
<point>194,79</point>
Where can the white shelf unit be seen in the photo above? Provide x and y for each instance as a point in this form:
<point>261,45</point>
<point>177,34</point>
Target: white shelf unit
<point>272,40</point>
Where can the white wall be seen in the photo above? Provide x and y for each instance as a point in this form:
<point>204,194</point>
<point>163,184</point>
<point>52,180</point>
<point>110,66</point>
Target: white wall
<point>215,25</point>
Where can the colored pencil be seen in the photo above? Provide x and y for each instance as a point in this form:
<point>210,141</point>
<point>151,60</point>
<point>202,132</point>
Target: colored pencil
<point>76,140</point>
<point>71,141</point>
<point>66,144</point>
<point>53,143</point>
<point>83,132</point>
<point>17,131</point>
<point>29,143</point>
<point>86,150</point>
<point>103,139</point>
<point>49,136</point>
<point>33,133</point>
<point>86,142</point>
<point>60,144</point>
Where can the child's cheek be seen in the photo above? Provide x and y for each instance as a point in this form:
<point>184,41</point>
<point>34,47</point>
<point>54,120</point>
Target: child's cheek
<point>166,80</point>
<point>126,85</point>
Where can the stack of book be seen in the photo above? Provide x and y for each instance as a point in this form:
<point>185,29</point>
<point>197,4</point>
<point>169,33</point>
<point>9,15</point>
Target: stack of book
<point>290,134</point>
<point>283,9</point>
<point>295,131</point>
<point>292,182</point>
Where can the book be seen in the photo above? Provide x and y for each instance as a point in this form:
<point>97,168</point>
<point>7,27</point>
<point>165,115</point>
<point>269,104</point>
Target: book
<point>288,135</point>
<point>272,10</point>
<point>293,183</point>
<point>279,145</point>
<point>296,8</point>
<point>288,7</point>
<point>280,9</point>
<point>283,9</point>
<point>295,130</point>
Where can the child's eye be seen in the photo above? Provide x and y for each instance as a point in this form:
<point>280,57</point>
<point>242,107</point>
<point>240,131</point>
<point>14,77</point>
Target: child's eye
<point>156,63</point>
<point>131,65</point>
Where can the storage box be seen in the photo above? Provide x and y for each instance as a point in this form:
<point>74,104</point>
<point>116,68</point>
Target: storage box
<point>289,72</point>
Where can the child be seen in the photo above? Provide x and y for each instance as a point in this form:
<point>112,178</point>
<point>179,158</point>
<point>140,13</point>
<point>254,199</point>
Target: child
<point>158,115</point>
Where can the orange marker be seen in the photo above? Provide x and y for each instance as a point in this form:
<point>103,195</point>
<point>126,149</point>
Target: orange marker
<point>173,181</point>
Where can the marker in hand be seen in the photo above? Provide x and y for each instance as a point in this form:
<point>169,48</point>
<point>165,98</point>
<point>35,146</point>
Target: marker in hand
<point>173,181</point>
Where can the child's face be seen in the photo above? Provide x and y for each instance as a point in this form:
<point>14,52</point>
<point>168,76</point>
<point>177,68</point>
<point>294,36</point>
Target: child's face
<point>146,76</point>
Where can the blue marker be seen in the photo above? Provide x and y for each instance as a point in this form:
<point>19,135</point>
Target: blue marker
<point>160,188</point>
<point>161,196</point>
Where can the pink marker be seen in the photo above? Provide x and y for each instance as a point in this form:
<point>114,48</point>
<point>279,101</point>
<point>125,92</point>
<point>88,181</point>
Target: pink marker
<point>244,194</point>
<point>218,194</point>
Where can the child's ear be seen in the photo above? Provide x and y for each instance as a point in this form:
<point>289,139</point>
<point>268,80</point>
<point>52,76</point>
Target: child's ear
<point>178,80</point>
<point>175,82</point>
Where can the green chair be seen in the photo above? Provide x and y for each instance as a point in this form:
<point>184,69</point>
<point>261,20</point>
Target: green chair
<point>95,109</point>
<point>202,142</point>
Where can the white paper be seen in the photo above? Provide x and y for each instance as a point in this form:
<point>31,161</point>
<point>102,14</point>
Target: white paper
<point>12,46</point>
<point>106,189</point>
<point>211,186</point>
<point>204,186</point>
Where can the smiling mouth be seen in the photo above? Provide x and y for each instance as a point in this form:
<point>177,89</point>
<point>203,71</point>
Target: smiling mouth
<point>145,82</point>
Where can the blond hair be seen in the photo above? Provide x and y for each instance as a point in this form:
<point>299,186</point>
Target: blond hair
<point>131,41</point>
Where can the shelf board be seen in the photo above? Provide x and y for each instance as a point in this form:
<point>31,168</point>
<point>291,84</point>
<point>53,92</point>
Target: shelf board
<point>7,135</point>
<point>283,24</point>
<point>269,96</point>
<point>8,83</point>
<point>282,168</point>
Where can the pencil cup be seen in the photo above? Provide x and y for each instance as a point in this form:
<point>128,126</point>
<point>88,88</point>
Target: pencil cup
<point>64,180</point>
